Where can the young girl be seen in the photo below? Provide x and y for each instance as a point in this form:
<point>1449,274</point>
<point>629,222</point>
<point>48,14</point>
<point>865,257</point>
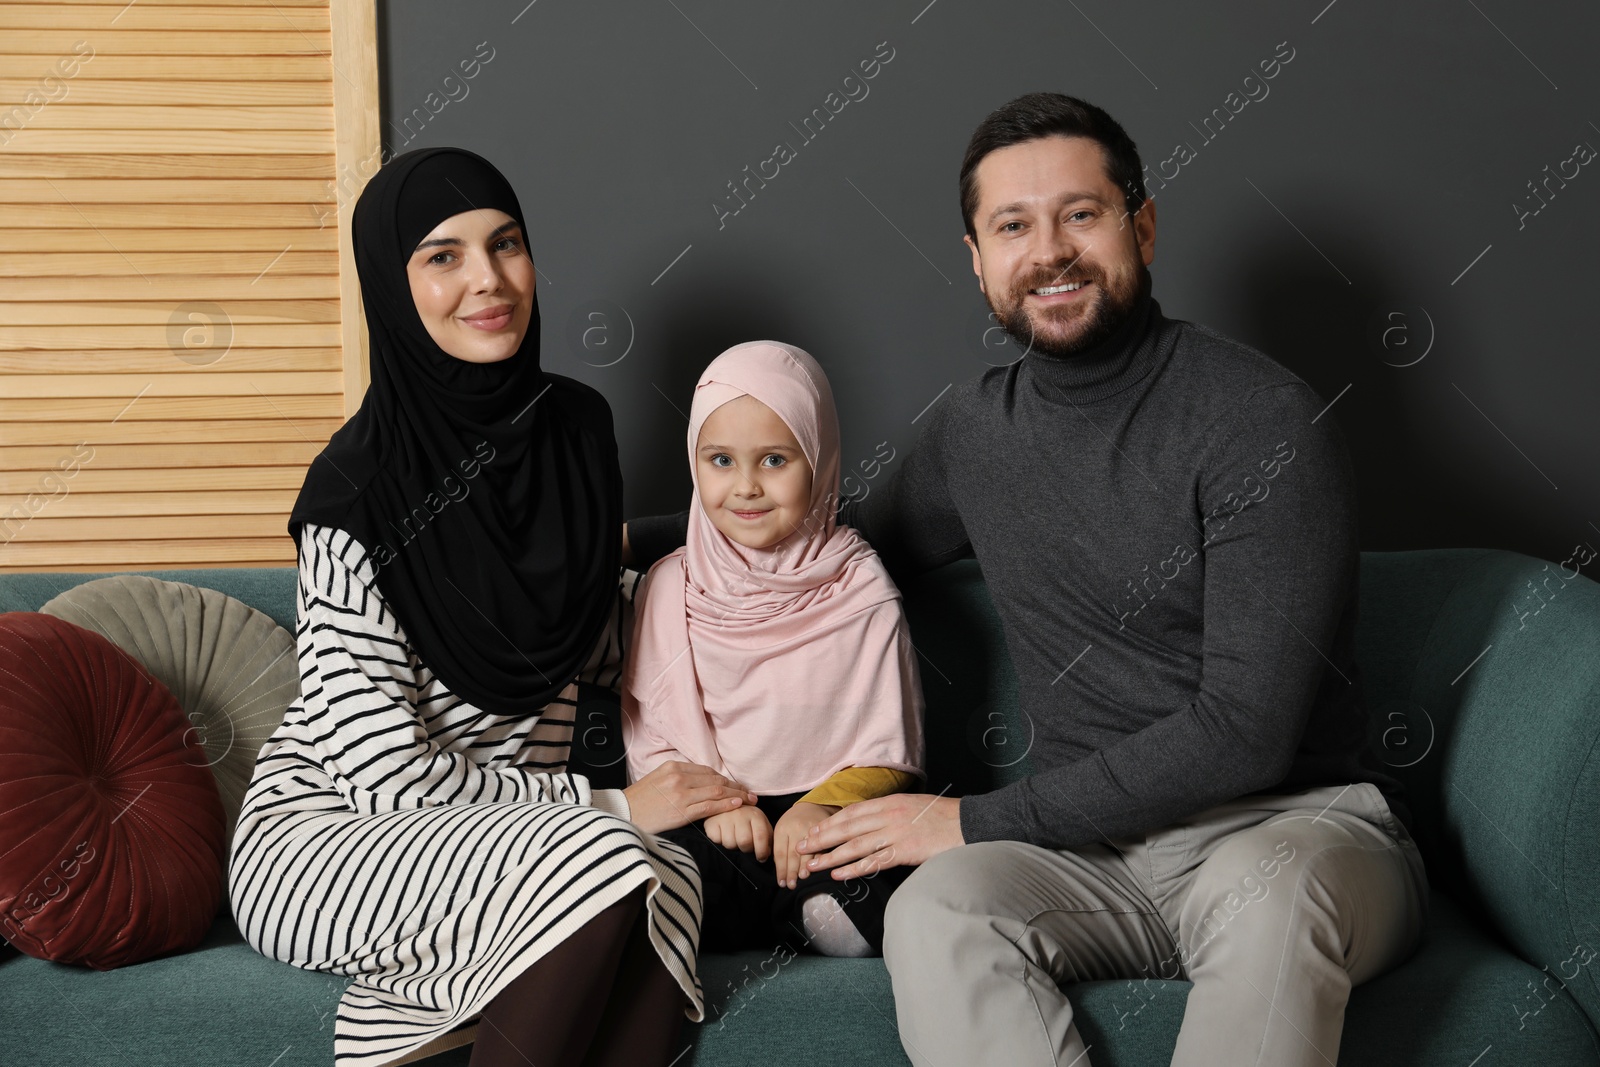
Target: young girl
<point>772,648</point>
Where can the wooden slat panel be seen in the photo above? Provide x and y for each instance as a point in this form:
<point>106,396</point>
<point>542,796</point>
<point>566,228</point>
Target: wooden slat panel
<point>187,157</point>
<point>147,409</point>
<point>152,70</point>
<point>87,240</point>
<point>111,217</point>
<point>177,288</point>
<point>144,17</point>
<point>148,527</point>
<point>145,190</point>
<point>132,262</point>
<point>250,85</point>
<point>174,43</point>
<point>148,362</point>
<point>245,335</point>
<point>191,161</point>
<point>118,568</point>
<point>141,555</point>
<point>141,457</point>
<point>69,6</point>
<point>164,480</point>
<point>64,114</point>
<point>150,386</point>
<point>144,313</point>
<point>180,505</point>
<point>66,433</point>
<point>81,153</point>
<point>172,504</point>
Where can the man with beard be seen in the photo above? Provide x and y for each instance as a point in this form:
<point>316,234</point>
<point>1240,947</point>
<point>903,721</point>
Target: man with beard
<point>1166,526</point>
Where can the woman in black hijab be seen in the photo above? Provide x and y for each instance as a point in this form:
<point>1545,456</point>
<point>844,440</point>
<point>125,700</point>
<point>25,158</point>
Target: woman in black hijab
<point>412,823</point>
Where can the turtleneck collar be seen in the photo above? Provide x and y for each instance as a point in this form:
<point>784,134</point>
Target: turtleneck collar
<point>1105,369</point>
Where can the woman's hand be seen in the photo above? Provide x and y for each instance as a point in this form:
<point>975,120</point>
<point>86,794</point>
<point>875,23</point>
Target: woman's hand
<point>676,794</point>
<point>627,549</point>
<point>791,830</point>
<point>745,829</point>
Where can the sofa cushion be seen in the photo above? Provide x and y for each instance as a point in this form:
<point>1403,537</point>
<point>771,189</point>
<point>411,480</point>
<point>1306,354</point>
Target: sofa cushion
<point>1459,994</point>
<point>225,1003</point>
<point>231,667</point>
<point>111,837</point>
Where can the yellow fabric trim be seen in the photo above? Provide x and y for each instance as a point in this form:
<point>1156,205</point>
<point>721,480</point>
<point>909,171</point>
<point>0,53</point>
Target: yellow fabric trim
<point>855,784</point>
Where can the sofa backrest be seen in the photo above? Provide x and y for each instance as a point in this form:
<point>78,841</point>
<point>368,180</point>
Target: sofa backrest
<point>977,737</point>
<point>267,589</point>
<point>1481,672</point>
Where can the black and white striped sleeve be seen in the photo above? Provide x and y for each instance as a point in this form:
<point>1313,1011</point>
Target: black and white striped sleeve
<point>358,687</point>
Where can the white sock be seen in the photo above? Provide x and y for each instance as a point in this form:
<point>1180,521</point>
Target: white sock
<point>830,929</point>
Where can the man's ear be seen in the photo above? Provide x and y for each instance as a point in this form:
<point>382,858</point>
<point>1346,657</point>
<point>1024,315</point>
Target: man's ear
<point>977,262</point>
<point>1144,230</point>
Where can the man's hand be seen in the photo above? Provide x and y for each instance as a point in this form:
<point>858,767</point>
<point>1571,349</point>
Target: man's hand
<point>745,829</point>
<point>677,793</point>
<point>902,829</point>
<point>792,826</point>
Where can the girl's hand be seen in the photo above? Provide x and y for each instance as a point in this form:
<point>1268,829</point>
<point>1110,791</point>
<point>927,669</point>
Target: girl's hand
<point>676,794</point>
<point>745,829</point>
<point>790,831</point>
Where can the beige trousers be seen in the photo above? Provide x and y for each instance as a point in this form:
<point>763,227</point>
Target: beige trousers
<point>1273,906</point>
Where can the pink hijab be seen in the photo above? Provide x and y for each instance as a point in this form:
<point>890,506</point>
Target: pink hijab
<point>777,667</point>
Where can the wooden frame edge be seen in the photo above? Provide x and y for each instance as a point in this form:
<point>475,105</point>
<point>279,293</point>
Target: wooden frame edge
<point>357,149</point>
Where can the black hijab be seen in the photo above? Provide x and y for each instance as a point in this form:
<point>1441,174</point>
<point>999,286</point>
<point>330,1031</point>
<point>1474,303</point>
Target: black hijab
<point>487,495</point>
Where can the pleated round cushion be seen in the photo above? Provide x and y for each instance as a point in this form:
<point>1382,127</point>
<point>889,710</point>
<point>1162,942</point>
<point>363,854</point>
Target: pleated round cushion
<point>111,834</point>
<point>231,667</point>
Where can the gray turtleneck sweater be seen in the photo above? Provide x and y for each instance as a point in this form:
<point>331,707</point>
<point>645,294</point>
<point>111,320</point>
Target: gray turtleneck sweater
<point>1166,525</point>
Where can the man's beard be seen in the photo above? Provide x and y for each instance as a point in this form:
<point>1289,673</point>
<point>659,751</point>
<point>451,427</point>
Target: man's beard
<point>1109,313</point>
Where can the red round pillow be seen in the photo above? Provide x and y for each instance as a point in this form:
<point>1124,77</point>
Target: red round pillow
<point>111,835</point>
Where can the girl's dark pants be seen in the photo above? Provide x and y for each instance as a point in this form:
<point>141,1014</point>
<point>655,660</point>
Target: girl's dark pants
<point>745,908</point>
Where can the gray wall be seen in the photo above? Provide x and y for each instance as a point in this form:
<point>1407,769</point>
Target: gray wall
<point>1368,207</point>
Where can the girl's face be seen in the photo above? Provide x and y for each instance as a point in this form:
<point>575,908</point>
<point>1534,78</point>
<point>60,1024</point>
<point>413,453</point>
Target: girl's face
<point>472,281</point>
<point>755,483</point>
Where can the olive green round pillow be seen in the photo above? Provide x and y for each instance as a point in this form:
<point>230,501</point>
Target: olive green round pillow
<point>231,667</point>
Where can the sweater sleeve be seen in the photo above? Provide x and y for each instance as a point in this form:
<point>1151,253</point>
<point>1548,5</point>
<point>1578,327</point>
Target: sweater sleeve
<point>854,784</point>
<point>358,691</point>
<point>1275,499</point>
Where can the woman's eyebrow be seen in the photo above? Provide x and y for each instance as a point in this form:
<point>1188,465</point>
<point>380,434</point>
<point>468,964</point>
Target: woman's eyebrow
<point>437,241</point>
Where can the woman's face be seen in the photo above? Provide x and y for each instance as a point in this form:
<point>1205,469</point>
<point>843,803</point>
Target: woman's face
<point>755,483</point>
<point>472,280</point>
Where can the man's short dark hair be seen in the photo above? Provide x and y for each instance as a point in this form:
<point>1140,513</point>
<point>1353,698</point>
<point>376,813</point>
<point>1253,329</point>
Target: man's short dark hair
<point>1035,115</point>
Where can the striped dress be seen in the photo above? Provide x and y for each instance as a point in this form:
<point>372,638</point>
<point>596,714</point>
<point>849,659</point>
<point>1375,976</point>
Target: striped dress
<point>427,849</point>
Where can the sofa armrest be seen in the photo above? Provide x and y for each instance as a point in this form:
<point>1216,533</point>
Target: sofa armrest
<point>1500,692</point>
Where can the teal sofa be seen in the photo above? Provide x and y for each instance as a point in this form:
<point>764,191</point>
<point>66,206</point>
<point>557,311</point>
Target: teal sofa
<point>1488,710</point>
